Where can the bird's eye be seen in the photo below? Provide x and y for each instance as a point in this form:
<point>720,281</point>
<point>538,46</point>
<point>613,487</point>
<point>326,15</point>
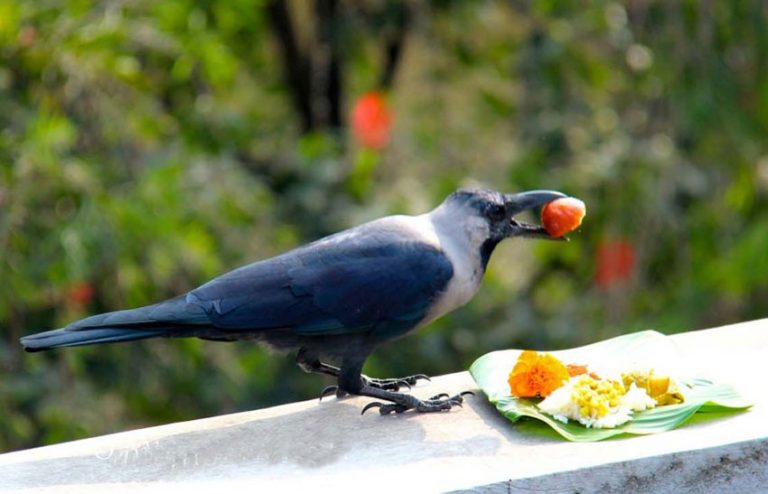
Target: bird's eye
<point>497,212</point>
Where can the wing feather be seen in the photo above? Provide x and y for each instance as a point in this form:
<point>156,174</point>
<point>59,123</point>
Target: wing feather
<point>346,283</point>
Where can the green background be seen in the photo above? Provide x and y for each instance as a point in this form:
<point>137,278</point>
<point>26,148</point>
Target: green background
<point>146,147</point>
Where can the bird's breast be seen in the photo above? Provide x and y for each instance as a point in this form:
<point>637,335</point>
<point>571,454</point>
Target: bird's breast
<point>460,290</point>
<point>467,277</point>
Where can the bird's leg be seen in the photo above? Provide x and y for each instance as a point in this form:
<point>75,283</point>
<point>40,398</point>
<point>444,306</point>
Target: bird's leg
<point>353,382</point>
<point>311,364</point>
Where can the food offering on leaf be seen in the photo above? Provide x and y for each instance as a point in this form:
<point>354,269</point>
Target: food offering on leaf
<point>633,384</point>
<point>562,216</point>
<point>573,392</point>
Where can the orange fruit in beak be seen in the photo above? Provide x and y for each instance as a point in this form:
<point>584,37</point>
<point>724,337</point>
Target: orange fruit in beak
<point>562,216</point>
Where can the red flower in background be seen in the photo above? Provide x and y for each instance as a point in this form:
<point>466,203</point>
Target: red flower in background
<point>615,262</point>
<point>80,293</point>
<point>27,36</point>
<point>371,120</point>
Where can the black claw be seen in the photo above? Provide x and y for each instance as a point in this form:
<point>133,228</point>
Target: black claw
<point>328,391</point>
<point>385,408</point>
<point>404,383</point>
<point>370,405</point>
<point>333,389</point>
<point>414,379</point>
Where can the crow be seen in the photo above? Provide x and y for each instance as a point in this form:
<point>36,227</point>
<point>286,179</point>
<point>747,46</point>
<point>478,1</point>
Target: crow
<point>338,297</point>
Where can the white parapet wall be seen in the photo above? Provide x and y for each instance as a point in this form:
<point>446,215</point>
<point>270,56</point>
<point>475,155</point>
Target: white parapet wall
<point>329,447</point>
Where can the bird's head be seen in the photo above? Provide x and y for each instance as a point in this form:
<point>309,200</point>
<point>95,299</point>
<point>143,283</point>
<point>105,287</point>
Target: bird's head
<point>485,217</point>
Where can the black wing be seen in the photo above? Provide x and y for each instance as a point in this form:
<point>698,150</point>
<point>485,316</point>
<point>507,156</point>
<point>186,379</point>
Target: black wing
<point>345,283</point>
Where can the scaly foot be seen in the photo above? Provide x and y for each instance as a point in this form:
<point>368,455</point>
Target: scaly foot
<point>390,384</point>
<point>401,402</point>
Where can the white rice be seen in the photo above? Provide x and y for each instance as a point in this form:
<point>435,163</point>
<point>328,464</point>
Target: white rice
<point>562,406</point>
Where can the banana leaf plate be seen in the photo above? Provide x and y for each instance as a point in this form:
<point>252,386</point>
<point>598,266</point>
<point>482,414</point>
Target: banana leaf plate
<point>648,349</point>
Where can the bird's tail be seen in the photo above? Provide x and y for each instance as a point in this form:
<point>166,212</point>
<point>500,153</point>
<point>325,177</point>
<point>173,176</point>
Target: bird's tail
<point>66,337</point>
<point>171,319</point>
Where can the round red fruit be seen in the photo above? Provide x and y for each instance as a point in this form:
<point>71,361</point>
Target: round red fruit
<point>562,216</point>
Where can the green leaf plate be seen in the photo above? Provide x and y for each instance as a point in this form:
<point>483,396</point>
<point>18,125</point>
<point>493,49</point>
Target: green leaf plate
<point>649,348</point>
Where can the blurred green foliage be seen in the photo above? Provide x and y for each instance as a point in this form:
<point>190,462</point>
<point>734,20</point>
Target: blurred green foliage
<point>146,147</point>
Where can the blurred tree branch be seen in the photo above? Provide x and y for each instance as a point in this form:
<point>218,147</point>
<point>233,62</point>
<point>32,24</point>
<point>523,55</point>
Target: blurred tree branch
<point>314,72</point>
<point>296,65</point>
<point>394,41</point>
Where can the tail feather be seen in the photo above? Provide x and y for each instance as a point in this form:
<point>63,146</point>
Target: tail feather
<point>67,337</point>
<point>175,311</point>
<point>170,318</point>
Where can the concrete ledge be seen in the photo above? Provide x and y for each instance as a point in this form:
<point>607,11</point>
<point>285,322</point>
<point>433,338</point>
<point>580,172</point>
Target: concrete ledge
<point>329,447</point>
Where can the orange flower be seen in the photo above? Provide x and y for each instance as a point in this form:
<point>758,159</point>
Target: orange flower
<point>536,375</point>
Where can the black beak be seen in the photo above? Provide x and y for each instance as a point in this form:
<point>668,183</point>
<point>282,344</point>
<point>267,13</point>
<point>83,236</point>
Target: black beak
<point>519,202</point>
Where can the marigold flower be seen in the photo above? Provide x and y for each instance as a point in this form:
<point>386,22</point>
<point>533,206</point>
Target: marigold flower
<point>536,375</point>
